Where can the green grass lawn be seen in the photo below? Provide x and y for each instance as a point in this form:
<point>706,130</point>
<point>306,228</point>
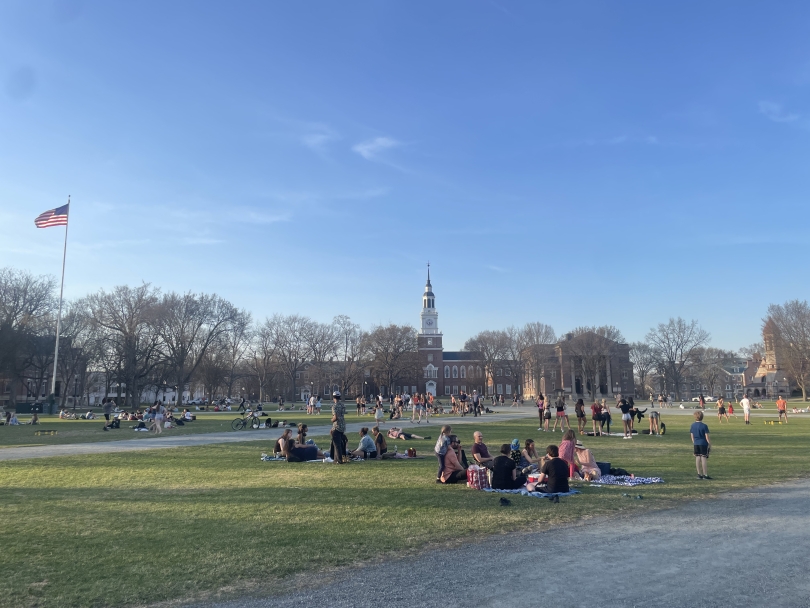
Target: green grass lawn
<point>136,528</point>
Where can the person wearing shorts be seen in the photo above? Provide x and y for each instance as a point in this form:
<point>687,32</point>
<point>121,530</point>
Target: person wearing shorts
<point>781,408</point>
<point>596,418</point>
<point>627,418</point>
<point>701,445</point>
<point>746,405</point>
<point>721,410</point>
<point>579,409</point>
<point>561,416</point>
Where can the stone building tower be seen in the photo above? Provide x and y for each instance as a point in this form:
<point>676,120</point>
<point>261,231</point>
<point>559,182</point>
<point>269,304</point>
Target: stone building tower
<point>430,344</point>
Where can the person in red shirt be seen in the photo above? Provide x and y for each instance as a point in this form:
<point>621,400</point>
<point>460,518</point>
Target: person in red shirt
<point>781,408</point>
<point>596,418</point>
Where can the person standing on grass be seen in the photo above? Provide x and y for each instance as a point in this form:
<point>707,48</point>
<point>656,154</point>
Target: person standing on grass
<point>338,448</point>
<point>541,406</point>
<point>561,415</point>
<point>625,407</point>
<point>596,418</point>
<point>730,409</point>
<point>160,416</point>
<point>379,414</point>
<point>579,409</point>
<point>781,408</point>
<point>746,405</point>
<point>702,445</point>
<point>721,410</point>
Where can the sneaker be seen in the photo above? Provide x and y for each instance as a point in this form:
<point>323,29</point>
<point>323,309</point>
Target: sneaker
<point>540,428</point>
<point>706,477</point>
<point>439,481</point>
<point>700,476</point>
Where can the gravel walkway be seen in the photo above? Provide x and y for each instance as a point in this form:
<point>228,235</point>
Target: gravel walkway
<point>741,549</point>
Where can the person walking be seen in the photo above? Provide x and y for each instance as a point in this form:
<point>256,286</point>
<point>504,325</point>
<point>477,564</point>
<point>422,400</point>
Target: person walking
<point>106,406</point>
<point>701,445</point>
<point>241,405</point>
<point>337,451</point>
<point>476,403</point>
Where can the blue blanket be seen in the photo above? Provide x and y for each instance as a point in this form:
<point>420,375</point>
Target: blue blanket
<point>624,480</point>
<point>525,492</point>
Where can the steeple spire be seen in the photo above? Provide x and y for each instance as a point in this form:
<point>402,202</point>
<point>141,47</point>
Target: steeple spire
<point>428,281</point>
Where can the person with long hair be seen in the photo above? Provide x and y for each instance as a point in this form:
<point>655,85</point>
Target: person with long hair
<point>541,406</point>
<point>566,449</point>
<point>596,418</point>
<point>528,455</point>
<point>579,409</point>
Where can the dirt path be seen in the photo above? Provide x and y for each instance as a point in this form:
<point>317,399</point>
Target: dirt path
<point>745,548</point>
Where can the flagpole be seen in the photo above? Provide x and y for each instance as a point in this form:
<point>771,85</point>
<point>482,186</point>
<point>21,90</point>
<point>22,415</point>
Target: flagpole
<point>59,316</point>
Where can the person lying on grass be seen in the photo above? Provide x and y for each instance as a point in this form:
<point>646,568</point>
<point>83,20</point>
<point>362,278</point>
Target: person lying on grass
<point>300,453</point>
<point>397,433</point>
<point>453,471</point>
<point>366,448</point>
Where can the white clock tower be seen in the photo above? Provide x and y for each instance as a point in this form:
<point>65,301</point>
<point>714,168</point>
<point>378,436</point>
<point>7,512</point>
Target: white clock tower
<point>430,342</point>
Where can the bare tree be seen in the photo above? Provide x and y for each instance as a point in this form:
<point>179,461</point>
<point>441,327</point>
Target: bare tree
<point>126,316</point>
<point>75,351</point>
<point>489,348</point>
<point>288,336</point>
<point>187,325</point>
<point>27,303</point>
<point>323,341</point>
<point>789,326</point>
<point>261,357</point>
<point>236,344</point>
<point>708,366</point>
<point>757,348</point>
<point>675,345</point>
<point>388,348</point>
<point>349,351</point>
<point>643,358</point>
<point>593,347</point>
<point>536,340</point>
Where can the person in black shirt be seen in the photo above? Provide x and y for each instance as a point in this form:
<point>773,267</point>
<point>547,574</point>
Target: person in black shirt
<point>504,471</point>
<point>554,473</point>
<point>625,407</point>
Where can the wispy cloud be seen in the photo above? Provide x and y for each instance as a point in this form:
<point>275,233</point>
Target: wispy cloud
<point>496,268</point>
<point>191,240</point>
<point>618,140</point>
<point>318,137</point>
<point>775,112</point>
<point>371,148</point>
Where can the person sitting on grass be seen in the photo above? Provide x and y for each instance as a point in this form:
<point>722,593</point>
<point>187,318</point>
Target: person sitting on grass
<point>453,471</point>
<point>379,443</point>
<point>553,474</point>
<point>278,446</point>
<point>34,419</point>
<point>300,453</point>
<point>302,433</point>
<point>398,433</point>
<point>566,452</point>
<point>504,471</point>
<point>11,419</point>
<point>587,463</point>
<point>515,454</point>
<point>480,452</point>
<point>528,456</point>
<point>187,416</point>
<point>366,448</point>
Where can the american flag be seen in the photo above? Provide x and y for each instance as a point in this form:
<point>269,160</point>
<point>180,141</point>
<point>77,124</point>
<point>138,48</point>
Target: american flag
<point>54,217</point>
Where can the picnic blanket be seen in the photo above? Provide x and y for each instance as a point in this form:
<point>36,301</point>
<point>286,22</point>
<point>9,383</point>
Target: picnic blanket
<point>624,480</point>
<point>525,492</point>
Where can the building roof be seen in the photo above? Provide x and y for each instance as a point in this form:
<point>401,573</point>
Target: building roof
<point>460,355</point>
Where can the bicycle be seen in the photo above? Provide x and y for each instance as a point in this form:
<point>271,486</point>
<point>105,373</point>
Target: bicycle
<point>249,419</point>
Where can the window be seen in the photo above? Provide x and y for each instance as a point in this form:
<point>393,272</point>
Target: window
<point>446,371</point>
<point>455,390</point>
<point>499,389</point>
<point>471,372</point>
<point>553,386</point>
<point>430,358</point>
<point>455,371</point>
<point>463,388</point>
<point>624,375</point>
<point>508,389</point>
<point>479,373</point>
<point>446,390</point>
<point>554,374</point>
<point>500,372</point>
<point>463,372</point>
<point>297,375</point>
<point>508,373</point>
<point>413,390</point>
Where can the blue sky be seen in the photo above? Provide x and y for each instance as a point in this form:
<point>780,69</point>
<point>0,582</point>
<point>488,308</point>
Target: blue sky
<point>573,163</point>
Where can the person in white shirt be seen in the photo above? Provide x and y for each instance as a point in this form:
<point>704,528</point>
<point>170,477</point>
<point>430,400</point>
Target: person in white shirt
<point>311,405</point>
<point>746,405</point>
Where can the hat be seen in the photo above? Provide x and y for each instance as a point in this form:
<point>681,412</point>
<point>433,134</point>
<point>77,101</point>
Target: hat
<point>578,445</point>
<point>336,394</point>
<point>515,444</point>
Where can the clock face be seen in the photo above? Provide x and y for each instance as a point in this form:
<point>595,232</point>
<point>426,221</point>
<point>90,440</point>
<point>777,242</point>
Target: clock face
<point>430,342</point>
<point>429,322</point>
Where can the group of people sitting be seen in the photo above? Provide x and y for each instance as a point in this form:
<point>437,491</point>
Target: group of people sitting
<point>511,468</point>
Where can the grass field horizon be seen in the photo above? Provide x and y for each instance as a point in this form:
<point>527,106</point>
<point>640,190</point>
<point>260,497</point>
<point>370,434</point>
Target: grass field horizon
<point>215,521</point>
